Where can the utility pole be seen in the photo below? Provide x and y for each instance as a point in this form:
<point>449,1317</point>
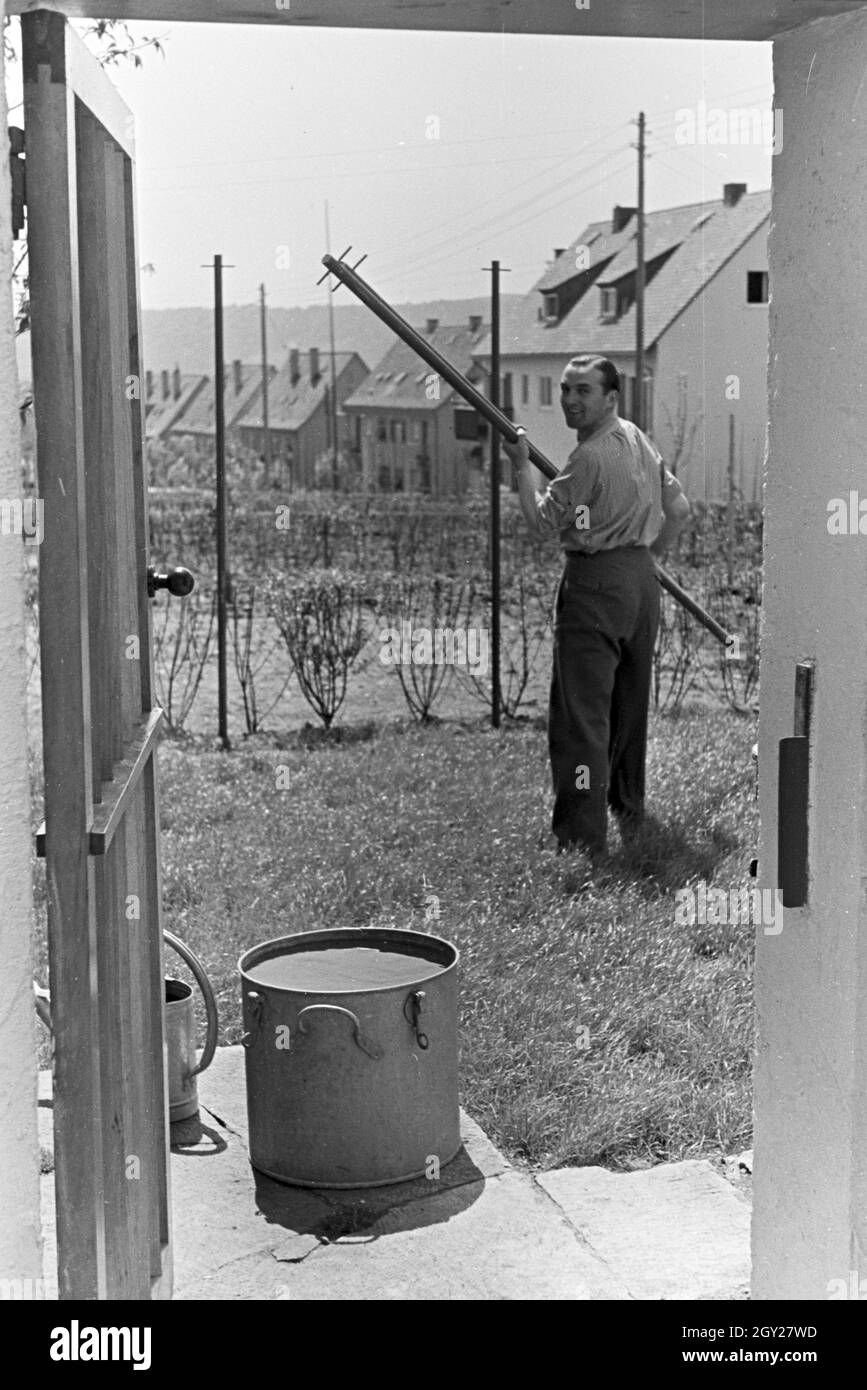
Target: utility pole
<point>265,427</point>
<point>222,536</point>
<point>730,502</point>
<point>638,410</point>
<point>334,441</point>
<point>494,396</point>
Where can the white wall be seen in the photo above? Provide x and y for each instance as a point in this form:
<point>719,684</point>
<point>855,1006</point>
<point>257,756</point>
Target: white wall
<point>717,337</point>
<point>810,1176</point>
<point>20,1257</point>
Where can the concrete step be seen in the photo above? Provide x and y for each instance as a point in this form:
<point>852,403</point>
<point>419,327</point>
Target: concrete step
<point>482,1230</point>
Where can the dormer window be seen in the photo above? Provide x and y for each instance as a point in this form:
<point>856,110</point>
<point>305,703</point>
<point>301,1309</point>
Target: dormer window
<point>551,308</point>
<point>608,302</point>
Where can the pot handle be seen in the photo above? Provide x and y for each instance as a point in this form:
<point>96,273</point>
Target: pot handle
<point>366,1044</point>
<point>204,984</point>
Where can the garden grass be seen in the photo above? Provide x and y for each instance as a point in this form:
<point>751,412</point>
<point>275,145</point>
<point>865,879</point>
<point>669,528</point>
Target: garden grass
<point>594,1029</point>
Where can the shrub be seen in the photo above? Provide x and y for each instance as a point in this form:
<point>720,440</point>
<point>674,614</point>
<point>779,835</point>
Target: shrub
<point>321,618</point>
<point>253,644</point>
<point>424,603</point>
<point>525,628</point>
<point>183,631</point>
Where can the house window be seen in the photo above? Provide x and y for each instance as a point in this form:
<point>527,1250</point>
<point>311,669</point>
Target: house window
<point>545,390</point>
<point>552,308</point>
<point>381,432</point>
<point>506,392</point>
<point>609,302</point>
<point>525,389</point>
<point>757,287</point>
<point>466,423</point>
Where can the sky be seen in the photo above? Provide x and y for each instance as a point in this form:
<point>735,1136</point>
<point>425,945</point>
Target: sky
<point>434,152</point>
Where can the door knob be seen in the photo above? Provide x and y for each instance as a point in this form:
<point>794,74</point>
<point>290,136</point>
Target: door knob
<point>175,578</point>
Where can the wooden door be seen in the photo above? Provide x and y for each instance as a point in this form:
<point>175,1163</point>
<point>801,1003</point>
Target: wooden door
<point>100,725</point>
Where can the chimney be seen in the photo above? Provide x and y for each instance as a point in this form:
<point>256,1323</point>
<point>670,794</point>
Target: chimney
<point>176,383</point>
<point>294,366</point>
<point>164,382</point>
<point>149,384</point>
<point>732,193</point>
<point>620,217</point>
<point>237,375</point>
<point>475,322</point>
<point>314,366</point>
<point>432,325</point>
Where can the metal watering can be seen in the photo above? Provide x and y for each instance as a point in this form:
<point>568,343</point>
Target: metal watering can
<point>180,1031</point>
<point>181,1034</point>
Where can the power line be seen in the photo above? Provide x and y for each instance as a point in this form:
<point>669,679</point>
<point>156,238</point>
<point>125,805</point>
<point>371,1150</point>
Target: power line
<point>495,225</point>
<point>522,183</point>
<point>352,152</point>
<point>331,175</point>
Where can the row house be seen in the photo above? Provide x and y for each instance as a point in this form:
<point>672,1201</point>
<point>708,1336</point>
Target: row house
<point>301,417</point>
<point>167,397</point>
<point>412,432</point>
<point>242,385</point>
<point>705,335</point>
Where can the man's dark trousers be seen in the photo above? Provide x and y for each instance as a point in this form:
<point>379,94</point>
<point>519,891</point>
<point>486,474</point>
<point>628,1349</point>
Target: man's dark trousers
<point>606,619</point>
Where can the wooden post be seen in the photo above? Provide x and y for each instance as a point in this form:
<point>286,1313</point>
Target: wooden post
<point>265,427</point>
<point>494,392</point>
<point>730,504</point>
<point>332,406</point>
<point>638,413</point>
<point>222,538</point>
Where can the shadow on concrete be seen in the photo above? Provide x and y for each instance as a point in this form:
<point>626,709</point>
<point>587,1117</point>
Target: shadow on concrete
<point>331,1213</point>
<point>194,1139</point>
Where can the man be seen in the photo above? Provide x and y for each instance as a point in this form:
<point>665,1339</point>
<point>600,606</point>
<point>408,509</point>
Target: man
<point>614,503</point>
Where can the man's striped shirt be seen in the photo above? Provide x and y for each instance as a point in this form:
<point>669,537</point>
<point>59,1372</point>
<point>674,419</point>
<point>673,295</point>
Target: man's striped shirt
<point>609,494</point>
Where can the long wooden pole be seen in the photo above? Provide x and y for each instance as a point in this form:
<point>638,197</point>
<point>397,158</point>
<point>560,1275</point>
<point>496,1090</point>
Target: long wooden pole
<point>491,413</point>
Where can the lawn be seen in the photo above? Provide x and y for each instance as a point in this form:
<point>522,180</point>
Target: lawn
<point>594,1030</point>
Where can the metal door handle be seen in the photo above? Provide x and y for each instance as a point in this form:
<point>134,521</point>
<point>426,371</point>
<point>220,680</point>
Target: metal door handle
<point>178,580</point>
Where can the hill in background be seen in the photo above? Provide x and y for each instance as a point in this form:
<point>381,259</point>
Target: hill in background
<point>185,337</point>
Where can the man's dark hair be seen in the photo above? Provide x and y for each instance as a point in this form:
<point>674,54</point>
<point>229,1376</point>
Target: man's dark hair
<point>606,368</point>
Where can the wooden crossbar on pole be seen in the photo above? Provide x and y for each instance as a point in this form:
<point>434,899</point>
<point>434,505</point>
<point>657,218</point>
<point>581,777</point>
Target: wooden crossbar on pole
<point>491,413</point>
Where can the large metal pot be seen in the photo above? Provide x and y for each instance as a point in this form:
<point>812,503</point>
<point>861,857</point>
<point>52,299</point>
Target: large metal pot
<point>352,1058</point>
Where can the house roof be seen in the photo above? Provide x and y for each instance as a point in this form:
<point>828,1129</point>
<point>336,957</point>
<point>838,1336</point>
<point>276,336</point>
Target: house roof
<point>601,245</point>
<point>200,417</point>
<point>290,406</point>
<point>162,412</point>
<point>398,381</point>
<point>701,236</point>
